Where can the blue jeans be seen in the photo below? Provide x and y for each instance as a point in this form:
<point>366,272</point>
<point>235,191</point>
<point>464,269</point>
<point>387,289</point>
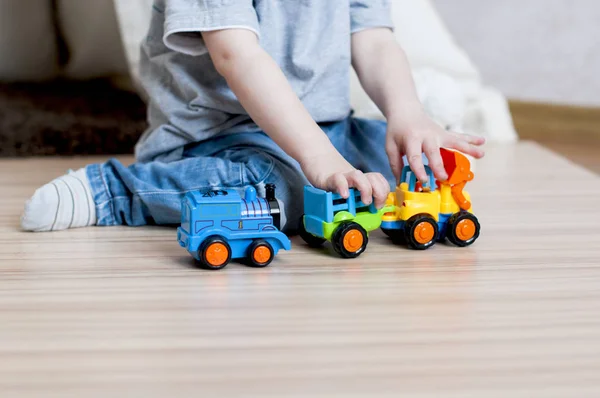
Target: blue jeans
<point>151,193</point>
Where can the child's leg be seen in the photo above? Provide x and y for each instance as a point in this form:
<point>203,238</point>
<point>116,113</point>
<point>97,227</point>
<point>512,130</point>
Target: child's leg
<point>65,202</point>
<point>151,193</point>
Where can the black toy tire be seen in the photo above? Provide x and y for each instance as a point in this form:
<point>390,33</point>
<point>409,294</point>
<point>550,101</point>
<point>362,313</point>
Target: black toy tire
<point>409,232</point>
<point>338,240</point>
<point>202,253</point>
<point>451,231</point>
<point>396,235</point>
<point>311,240</point>
<point>252,262</point>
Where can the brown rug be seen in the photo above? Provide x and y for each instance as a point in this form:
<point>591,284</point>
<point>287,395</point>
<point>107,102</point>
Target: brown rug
<point>69,118</point>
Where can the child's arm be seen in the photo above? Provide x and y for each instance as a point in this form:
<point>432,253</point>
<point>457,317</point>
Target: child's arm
<point>384,72</point>
<point>266,95</point>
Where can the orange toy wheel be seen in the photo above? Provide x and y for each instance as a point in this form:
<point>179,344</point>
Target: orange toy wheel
<point>421,232</point>
<point>215,253</point>
<point>350,240</point>
<point>424,232</point>
<point>353,240</point>
<point>260,253</point>
<point>463,229</point>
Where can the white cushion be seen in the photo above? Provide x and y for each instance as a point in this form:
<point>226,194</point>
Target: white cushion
<point>28,49</point>
<point>427,41</point>
<point>432,51</point>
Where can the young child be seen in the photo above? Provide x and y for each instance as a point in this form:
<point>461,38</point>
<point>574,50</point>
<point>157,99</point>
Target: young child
<point>249,92</point>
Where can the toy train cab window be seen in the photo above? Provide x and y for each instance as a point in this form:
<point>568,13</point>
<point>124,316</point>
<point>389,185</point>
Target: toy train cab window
<point>186,217</point>
<point>220,225</point>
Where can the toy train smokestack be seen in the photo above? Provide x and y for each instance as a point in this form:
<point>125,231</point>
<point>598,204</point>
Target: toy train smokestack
<point>270,188</point>
<point>273,204</point>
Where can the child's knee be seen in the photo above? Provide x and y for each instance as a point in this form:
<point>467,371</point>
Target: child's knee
<point>290,192</point>
<point>261,167</point>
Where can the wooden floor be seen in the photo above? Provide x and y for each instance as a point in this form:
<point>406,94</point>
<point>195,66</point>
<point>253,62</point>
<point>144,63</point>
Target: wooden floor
<point>112,312</point>
<point>584,155</point>
<point>571,131</point>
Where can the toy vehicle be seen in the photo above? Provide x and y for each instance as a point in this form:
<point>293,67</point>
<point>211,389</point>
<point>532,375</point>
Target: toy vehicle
<point>219,225</point>
<point>346,223</point>
<point>424,215</point>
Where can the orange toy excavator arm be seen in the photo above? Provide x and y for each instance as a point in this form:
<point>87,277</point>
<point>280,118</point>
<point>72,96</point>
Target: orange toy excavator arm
<point>457,194</point>
<point>459,172</point>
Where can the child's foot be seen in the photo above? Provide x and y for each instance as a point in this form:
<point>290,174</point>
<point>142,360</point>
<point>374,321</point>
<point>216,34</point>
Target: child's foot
<point>65,202</point>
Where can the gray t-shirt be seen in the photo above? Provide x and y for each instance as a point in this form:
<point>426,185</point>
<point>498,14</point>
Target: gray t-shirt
<point>191,102</point>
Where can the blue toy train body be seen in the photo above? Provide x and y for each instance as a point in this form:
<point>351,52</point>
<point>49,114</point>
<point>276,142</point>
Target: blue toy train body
<point>219,225</point>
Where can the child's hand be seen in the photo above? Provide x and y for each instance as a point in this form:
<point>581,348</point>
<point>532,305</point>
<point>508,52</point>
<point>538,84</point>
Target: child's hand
<point>332,172</point>
<point>384,72</point>
<point>417,135</point>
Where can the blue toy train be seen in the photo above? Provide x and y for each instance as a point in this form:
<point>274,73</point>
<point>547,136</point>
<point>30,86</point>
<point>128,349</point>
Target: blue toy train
<point>219,225</point>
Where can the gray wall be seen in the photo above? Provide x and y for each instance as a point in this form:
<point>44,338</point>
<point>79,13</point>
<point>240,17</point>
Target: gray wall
<point>544,50</point>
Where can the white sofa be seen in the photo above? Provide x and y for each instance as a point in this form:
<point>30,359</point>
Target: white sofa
<point>103,39</point>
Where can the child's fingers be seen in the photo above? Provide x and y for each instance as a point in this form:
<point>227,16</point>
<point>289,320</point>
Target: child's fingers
<point>432,150</point>
<point>414,153</point>
<point>358,180</point>
<point>471,139</point>
<point>385,183</point>
<point>340,185</point>
<point>395,158</point>
<point>381,188</point>
<point>467,148</point>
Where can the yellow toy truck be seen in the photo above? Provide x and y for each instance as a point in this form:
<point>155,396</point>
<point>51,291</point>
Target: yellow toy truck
<point>436,211</point>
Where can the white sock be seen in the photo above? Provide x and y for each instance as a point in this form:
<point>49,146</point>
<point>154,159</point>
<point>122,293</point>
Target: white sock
<point>63,203</point>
